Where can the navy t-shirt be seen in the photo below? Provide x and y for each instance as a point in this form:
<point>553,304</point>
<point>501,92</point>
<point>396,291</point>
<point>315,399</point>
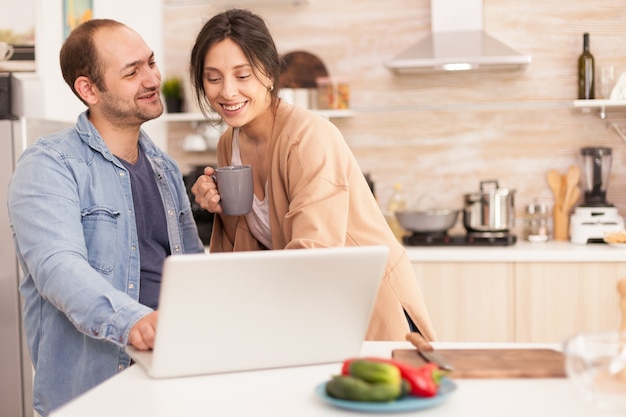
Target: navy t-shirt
<point>154,244</point>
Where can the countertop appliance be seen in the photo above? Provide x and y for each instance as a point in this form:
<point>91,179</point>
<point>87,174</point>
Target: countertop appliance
<point>596,216</point>
<point>5,95</point>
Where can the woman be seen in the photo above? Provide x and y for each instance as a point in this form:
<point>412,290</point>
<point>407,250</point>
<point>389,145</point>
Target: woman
<point>308,188</point>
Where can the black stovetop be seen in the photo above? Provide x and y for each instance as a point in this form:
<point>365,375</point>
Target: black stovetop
<point>470,239</point>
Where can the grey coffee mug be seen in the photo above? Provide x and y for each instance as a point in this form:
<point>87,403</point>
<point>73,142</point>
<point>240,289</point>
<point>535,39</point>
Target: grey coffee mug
<point>235,185</point>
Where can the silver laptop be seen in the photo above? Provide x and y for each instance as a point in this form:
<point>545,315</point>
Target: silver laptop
<point>238,311</point>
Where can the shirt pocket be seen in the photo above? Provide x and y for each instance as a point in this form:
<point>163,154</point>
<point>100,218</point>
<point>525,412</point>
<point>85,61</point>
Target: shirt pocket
<point>100,230</point>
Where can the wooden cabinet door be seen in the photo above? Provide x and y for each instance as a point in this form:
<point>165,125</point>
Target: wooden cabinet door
<point>557,300</point>
<point>469,302</point>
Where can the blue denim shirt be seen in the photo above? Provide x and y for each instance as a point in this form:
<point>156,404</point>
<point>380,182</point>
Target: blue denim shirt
<point>71,210</point>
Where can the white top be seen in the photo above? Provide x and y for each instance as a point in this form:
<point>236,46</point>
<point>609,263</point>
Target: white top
<point>290,392</point>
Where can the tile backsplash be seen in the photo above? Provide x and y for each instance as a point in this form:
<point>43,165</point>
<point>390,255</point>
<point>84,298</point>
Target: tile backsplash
<point>441,134</point>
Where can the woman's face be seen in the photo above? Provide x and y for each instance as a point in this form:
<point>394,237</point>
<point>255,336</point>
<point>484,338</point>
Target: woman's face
<point>231,86</point>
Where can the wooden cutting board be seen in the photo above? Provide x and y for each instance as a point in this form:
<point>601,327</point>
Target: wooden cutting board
<point>494,363</point>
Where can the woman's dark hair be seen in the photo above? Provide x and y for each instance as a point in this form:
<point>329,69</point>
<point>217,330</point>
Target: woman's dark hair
<point>247,30</point>
<point>79,56</point>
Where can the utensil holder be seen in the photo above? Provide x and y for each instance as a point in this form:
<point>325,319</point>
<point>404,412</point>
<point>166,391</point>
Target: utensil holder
<point>561,224</point>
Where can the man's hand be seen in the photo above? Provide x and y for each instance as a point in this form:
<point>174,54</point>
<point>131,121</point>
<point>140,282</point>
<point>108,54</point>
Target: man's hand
<point>142,334</point>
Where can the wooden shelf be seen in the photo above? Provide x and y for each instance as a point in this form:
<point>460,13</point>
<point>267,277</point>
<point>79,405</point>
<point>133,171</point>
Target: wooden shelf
<point>199,117</point>
<point>599,104</point>
<point>188,117</point>
<point>335,114</point>
<point>186,3</point>
<point>603,106</point>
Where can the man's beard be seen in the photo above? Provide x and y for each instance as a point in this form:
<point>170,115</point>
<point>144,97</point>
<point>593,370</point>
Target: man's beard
<point>123,113</point>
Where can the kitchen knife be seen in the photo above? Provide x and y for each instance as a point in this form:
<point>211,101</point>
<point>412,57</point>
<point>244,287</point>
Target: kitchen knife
<point>427,352</point>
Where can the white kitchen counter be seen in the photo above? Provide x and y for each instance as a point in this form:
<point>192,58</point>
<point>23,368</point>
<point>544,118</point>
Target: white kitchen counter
<point>522,251</point>
<point>289,392</point>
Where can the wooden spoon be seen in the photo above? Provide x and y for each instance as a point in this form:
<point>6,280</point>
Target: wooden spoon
<point>571,183</point>
<point>573,198</point>
<point>554,181</point>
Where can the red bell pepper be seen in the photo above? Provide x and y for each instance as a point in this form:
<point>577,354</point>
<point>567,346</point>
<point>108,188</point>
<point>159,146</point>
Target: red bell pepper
<point>424,380</point>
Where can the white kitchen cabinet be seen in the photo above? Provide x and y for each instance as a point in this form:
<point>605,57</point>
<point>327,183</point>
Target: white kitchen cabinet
<point>520,301</point>
<point>557,300</point>
<point>469,302</point>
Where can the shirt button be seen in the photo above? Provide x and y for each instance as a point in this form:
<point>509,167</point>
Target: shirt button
<point>122,174</point>
<point>131,285</point>
<point>133,248</point>
<point>170,212</point>
<point>120,367</point>
<point>177,248</point>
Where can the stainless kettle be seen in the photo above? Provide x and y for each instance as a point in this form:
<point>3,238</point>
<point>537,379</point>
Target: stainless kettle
<point>490,210</point>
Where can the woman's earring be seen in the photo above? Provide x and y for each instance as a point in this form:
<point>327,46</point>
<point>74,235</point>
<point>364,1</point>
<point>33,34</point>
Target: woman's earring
<point>271,88</point>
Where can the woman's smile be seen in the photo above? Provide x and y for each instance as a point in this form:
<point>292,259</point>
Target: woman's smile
<point>233,107</point>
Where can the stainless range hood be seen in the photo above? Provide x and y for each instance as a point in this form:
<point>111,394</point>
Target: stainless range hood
<point>457,42</point>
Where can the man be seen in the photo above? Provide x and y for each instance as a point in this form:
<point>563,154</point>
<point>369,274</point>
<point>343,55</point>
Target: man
<point>95,209</point>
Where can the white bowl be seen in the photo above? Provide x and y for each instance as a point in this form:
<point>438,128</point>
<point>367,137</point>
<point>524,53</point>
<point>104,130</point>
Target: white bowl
<point>596,365</point>
<point>424,221</point>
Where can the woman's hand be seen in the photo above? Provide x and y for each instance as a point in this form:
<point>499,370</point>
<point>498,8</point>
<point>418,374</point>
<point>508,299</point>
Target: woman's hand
<point>205,192</point>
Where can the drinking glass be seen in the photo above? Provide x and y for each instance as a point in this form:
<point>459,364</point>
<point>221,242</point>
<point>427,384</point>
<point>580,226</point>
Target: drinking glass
<point>606,79</point>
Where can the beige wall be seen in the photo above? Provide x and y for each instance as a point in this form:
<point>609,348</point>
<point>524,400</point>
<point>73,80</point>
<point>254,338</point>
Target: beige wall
<point>444,133</point>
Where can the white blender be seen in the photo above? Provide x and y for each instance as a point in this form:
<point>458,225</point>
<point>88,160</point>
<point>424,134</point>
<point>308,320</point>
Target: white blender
<point>595,217</point>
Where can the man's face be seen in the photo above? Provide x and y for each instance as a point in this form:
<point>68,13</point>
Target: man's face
<point>132,79</point>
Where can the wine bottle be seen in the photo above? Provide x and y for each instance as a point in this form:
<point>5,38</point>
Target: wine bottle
<point>586,69</point>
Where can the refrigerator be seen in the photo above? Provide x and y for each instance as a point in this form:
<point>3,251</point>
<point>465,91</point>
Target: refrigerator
<point>16,372</point>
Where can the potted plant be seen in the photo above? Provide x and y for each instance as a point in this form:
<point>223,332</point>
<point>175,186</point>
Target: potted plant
<point>172,89</point>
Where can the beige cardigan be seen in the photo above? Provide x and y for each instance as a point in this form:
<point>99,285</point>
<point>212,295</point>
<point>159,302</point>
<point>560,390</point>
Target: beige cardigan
<point>318,197</point>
